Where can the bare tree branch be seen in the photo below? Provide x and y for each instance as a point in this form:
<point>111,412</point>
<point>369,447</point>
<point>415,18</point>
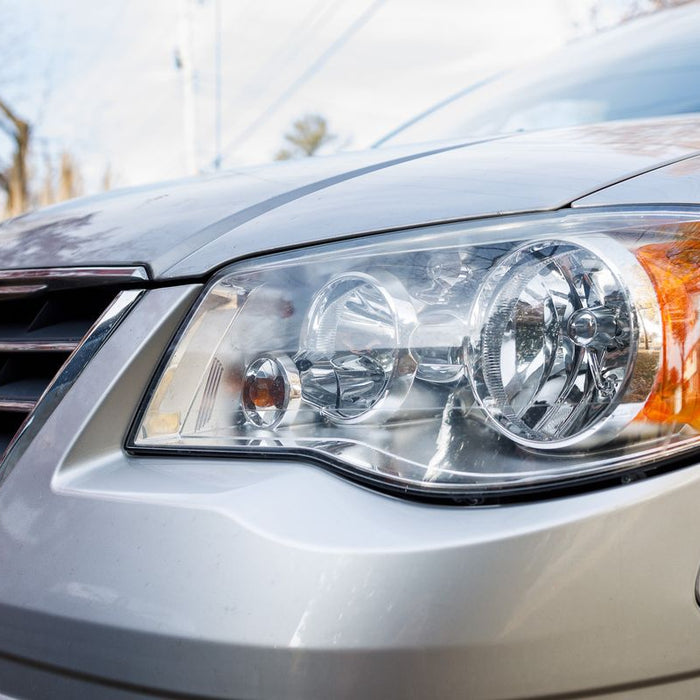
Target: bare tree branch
<point>19,124</point>
<point>16,178</point>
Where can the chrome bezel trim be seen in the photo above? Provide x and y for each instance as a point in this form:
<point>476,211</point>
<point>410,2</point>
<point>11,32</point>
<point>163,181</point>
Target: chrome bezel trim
<point>403,372</point>
<point>646,334</point>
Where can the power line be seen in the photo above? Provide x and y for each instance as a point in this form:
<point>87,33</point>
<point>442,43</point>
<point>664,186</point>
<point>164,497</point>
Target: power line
<point>314,68</point>
<point>315,19</point>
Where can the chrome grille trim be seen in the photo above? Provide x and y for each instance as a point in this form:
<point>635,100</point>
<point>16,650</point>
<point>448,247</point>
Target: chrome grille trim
<point>90,275</point>
<point>71,370</point>
<point>45,316</point>
<point>17,405</point>
<point>38,345</point>
<point>21,290</point>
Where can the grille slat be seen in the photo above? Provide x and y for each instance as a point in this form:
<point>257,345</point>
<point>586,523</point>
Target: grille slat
<point>39,345</point>
<point>17,405</point>
<point>44,317</point>
<point>26,390</point>
<point>11,423</point>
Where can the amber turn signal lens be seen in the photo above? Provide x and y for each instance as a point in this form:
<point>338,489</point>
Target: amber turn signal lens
<point>674,269</point>
<point>271,390</point>
<point>263,392</point>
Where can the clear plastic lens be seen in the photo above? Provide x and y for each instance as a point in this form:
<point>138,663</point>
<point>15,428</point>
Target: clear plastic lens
<point>464,358</point>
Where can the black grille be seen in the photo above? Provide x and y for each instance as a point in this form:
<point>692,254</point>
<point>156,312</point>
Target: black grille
<point>42,320</point>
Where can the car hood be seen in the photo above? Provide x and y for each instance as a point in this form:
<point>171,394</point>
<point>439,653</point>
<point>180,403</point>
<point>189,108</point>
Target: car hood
<point>188,228</point>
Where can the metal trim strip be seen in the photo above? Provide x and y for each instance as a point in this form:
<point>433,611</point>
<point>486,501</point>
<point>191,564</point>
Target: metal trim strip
<point>38,345</point>
<point>90,275</point>
<point>18,405</point>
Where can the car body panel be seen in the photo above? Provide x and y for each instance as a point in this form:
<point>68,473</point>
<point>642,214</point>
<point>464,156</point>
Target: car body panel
<point>675,184</point>
<point>258,579</point>
<point>190,228</point>
<point>175,576</point>
<point>158,223</point>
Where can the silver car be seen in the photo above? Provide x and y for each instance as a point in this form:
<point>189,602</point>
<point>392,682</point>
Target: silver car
<point>418,422</point>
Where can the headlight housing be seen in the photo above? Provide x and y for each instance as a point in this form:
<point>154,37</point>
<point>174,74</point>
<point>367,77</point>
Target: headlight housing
<point>463,360</point>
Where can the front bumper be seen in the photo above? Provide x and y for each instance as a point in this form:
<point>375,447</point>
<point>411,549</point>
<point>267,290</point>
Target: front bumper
<point>127,576</point>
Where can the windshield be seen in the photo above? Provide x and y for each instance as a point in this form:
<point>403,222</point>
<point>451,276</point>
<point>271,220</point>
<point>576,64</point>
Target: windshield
<point>647,68</point>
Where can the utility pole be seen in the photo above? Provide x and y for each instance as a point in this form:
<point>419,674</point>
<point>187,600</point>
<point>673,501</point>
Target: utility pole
<point>217,84</point>
<point>184,61</point>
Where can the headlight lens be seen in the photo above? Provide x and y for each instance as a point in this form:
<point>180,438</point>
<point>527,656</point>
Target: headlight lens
<point>462,359</point>
<point>558,328</point>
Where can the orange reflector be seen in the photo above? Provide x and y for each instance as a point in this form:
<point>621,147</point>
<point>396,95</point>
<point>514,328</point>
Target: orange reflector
<point>674,269</point>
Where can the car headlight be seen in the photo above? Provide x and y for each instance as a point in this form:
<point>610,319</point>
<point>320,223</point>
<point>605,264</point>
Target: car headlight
<point>463,360</point>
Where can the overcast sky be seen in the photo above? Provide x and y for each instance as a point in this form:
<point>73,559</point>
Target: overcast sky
<point>101,79</point>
